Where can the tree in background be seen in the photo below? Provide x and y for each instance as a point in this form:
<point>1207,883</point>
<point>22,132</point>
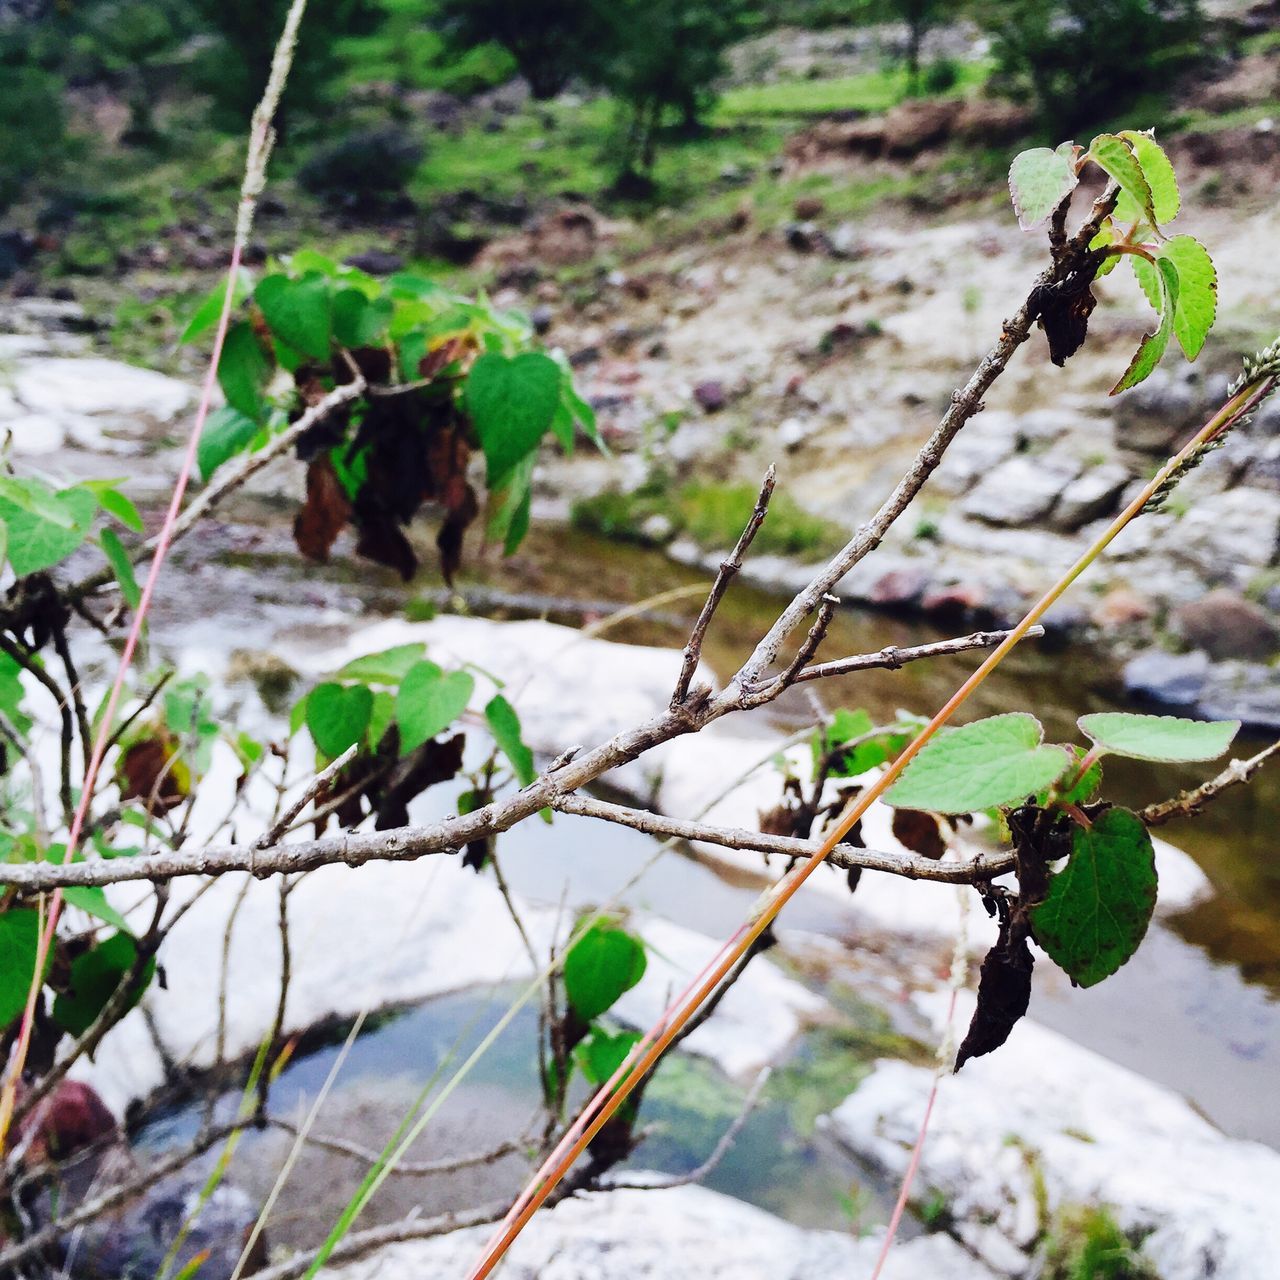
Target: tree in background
<point>919,16</point>
<point>549,39</point>
<point>1081,59</point>
<point>662,56</point>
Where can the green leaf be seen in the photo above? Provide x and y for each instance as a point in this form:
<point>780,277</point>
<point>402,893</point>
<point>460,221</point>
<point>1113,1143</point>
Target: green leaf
<point>1165,738</point>
<point>19,944</point>
<point>1039,181</point>
<point>95,975</point>
<point>601,1054</point>
<point>1158,171</point>
<point>36,543</point>
<point>1115,156</point>
<point>243,370</point>
<point>601,966</point>
<point>1106,236</point>
<point>504,724</point>
<point>299,312</point>
<point>337,716</point>
<point>207,313</point>
<point>511,404</point>
<point>1197,304</point>
<point>92,900</point>
<point>1098,907</point>
<point>116,504</point>
<point>429,701</point>
<point>359,321</point>
<point>1153,346</point>
<point>991,762</point>
<point>1084,790</point>
<point>37,499</point>
<point>226,432</point>
<point>121,566</point>
<point>388,667</point>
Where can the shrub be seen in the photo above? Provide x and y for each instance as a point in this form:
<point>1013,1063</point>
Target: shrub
<point>31,124</point>
<point>363,167</point>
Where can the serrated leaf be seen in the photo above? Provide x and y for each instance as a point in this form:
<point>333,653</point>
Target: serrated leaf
<point>226,432</point>
<point>36,543</point>
<point>429,701</point>
<point>604,964</point>
<point>1166,738</point>
<point>1116,157</point>
<point>504,724</point>
<point>243,370</point>
<point>388,667</point>
<point>997,761</point>
<point>298,312</point>
<point>1158,171</point>
<point>1153,346</point>
<point>1106,236</point>
<point>121,566</point>
<point>1039,181</point>
<point>512,403</point>
<point>1099,906</point>
<point>337,716</point>
<point>1197,304</point>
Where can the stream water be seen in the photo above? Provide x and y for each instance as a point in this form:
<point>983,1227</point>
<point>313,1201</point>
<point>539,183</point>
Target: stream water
<point>1198,1009</point>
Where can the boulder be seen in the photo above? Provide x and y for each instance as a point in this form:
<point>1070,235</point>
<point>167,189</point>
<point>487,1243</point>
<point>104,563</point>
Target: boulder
<point>1093,494</point>
<point>1173,679</point>
<point>1244,691</point>
<point>1021,491</point>
<point>1044,1125</point>
<point>1226,625</point>
<point>1157,415</point>
<point>1230,536</point>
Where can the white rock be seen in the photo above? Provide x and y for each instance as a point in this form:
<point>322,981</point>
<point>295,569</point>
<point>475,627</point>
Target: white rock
<point>96,386</point>
<point>685,1233</point>
<point>1043,1113</point>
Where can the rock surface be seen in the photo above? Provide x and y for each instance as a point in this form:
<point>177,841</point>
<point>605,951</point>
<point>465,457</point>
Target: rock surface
<point>686,1233</point>
<point>1046,1118</point>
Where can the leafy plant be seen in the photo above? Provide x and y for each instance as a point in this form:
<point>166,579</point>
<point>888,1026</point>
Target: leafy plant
<point>443,375</point>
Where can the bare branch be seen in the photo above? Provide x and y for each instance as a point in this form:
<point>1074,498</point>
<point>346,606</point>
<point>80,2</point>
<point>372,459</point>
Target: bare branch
<point>317,784</point>
<point>724,576</point>
<point>892,657</point>
<point>804,655</point>
<point>1189,803</point>
<point>845,856</point>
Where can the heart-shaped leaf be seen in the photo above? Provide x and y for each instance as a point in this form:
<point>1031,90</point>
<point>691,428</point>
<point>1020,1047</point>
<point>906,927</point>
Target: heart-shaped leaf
<point>337,716</point>
<point>298,312</point>
<point>1166,738</point>
<point>512,403</point>
<point>36,543</point>
<point>1098,907</point>
<point>997,761</point>
<point>429,701</point>
<point>601,966</point>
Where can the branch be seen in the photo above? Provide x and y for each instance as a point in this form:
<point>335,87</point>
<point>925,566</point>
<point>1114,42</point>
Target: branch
<point>844,856</point>
<point>804,655</point>
<point>1189,803</point>
<point>892,657</point>
<point>724,576</point>
<point>965,403</point>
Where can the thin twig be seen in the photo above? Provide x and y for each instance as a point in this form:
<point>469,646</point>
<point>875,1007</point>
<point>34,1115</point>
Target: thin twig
<point>845,856</point>
<point>804,655</point>
<point>892,657</point>
<point>319,783</point>
<point>724,576</point>
<point>62,702</point>
<point>1190,803</point>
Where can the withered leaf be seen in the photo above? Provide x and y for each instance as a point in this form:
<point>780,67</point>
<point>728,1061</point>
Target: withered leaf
<point>431,763</point>
<point>149,772</point>
<point>324,514</point>
<point>1065,321</point>
<point>919,832</point>
<point>1004,991</point>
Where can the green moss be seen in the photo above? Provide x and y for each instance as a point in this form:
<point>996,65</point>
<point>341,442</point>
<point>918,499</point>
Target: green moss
<point>714,516</point>
<point>1086,1243</point>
